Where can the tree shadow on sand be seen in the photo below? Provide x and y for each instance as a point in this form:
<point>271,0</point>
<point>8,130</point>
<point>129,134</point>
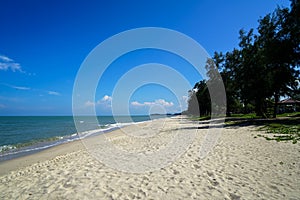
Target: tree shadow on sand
<point>233,122</point>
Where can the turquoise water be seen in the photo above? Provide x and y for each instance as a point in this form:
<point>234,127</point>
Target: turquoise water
<point>23,135</point>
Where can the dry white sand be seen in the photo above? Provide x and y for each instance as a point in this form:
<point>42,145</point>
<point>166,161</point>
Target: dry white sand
<point>238,167</point>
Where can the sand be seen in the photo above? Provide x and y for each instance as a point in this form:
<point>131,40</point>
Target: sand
<point>239,166</point>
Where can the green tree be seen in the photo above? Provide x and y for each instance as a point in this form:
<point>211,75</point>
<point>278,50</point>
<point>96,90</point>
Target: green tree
<point>199,100</point>
<point>277,54</point>
<point>227,65</point>
<point>193,104</point>
<point>264,68</point>
<point>216,86</point>
<point>251,73</point>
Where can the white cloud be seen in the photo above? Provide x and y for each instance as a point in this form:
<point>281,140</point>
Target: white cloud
<point>195,90</point>
<point>164,103</point>
<point>184,103</point>
<point>7,63</point>
<point>160,102</point>
<point>89,104</point>
<point>135,103</point>
<point>105,101</point>
<point>53,93</point>
<point>185,98</point>
<point>106,98</point>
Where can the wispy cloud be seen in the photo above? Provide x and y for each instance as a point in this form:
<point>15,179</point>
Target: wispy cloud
<point>49,92</point>
<point>7,63</point>
<point>16,87</point>
<point>20,88</point>
<point>160,102</point>
<point>53,93</point>
<point>6,59</point>
<point>12,99</point>
<point>2,106</point>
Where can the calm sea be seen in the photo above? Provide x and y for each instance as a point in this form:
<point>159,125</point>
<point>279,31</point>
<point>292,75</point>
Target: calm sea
<point>25,135</point>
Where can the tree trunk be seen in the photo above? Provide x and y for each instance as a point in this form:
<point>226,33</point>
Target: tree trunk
<point>276,96</point>
<point>259,108</point>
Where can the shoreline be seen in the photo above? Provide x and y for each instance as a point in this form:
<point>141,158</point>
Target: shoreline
<point>240,166</point>
<point>48,153</point>
<point>34,147</point>
<point>13,164</point>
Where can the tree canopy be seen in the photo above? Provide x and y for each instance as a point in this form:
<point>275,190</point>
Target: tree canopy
<point>256,74</point>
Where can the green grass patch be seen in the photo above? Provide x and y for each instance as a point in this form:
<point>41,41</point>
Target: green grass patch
<point>245,116</point>
<point>234,123</point>
<point>294,114</point>
<point>288,130</point>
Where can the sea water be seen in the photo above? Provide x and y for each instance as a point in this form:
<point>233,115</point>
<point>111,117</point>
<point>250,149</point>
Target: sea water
<point>22,135</point>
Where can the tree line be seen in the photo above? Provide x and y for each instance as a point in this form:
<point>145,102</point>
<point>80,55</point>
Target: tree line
<point>263,68</point>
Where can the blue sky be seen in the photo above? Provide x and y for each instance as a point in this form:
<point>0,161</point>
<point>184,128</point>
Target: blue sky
<point>43,44</point>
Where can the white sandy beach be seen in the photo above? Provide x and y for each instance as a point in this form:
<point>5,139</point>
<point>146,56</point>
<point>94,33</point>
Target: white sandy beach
<point>238,167</point>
